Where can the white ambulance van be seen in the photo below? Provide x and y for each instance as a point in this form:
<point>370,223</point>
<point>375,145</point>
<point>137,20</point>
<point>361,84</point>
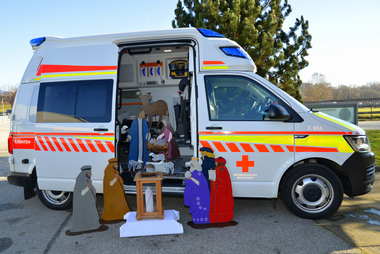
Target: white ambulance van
<point>76,92</point>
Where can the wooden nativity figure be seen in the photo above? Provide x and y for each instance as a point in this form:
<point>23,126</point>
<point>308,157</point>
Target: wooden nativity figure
<point>85,210</point>
<point>115,203</point>
<point>222,201</point>
<point>137,136</point>
<point>167,132</point>
<point>197,194</point>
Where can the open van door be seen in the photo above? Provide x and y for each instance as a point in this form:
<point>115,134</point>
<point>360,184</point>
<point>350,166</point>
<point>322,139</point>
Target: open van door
<point>234,122</point>
<point>75,123</point>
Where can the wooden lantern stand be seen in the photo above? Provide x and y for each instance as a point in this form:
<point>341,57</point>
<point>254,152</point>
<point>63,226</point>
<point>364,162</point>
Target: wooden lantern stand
<point>148,177</point>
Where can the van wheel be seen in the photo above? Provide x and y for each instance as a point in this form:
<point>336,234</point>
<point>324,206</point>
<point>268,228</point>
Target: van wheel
<point>56,200</point>
<point>312,191</point>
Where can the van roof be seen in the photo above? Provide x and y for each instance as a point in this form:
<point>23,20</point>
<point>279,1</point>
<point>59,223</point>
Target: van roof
<point>118,38</point>
<point>214,51</point>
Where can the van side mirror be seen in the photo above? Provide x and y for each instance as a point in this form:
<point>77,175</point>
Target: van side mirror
<point>183,83</point>
<point>278,113</point>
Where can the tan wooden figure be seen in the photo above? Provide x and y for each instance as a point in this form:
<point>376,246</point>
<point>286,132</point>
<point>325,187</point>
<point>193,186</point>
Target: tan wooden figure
<point>152,109</point>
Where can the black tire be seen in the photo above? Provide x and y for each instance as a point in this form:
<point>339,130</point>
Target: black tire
<point>56,200</point>
<point>312,191</point>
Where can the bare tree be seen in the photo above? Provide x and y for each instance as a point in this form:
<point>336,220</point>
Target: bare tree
<point>317,89</point>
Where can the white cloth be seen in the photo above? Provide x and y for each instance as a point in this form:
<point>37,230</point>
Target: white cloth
<point>144,227</point>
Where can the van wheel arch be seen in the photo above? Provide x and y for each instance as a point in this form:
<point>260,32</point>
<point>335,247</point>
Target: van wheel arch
<point>333,166</point>
<point>55,200</point>
<point>312,191</point>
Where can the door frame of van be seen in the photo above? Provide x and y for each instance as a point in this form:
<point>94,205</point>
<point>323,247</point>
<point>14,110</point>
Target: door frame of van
<point>191,43</point>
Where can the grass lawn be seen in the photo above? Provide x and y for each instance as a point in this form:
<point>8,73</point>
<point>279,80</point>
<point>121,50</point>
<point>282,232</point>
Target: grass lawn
<point>374,138</point>
<point>6,106</point>
<point>363,117</point>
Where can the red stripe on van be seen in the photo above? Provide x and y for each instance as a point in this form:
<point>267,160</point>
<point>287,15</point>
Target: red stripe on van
<point>82,146</point>
<point>49,144</point>
<point>36,147</point>
<point>57,144</point>
<point>308,149</point>
<point>101,146</point>
<point>233,147</point>
<point>320,133</point>
<point>72,143</point>
<point>42,144</point>
<point>212,62</point>
<point>277,148</point>
<point>262,148</point>
<point>63,141</point>
<point>110,146</point>
<point>219,146</point>
<point>205,143</point>
<point>47,68</point>
<point>247,148</point>
<point>290,148</point>
<point>92,147</point>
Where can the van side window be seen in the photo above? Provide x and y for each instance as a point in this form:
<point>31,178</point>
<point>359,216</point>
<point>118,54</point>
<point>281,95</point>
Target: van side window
<point>236,98</point>
<point>75,101</point>
<point>33,105</point>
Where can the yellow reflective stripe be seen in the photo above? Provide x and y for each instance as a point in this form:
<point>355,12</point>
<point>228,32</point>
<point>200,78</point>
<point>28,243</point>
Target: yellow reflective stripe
<point>281,140</point>
<point>98,138</point>
<point>36,79</point>
<point>331,141</point>
<point>337,121</point>
<point>79,74</point>
<point>214,67</point>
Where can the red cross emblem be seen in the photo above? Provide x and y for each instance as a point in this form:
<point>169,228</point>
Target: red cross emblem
<point>245,163</point>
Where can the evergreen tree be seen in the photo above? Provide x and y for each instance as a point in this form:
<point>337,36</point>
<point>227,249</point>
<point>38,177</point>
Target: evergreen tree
<point>257,26</point>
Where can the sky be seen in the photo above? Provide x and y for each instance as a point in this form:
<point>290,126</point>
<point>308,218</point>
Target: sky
<point>345,33</point>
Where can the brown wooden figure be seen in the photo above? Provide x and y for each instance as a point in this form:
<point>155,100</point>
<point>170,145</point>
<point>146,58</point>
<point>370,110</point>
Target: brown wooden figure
<point>152,109</point>
<point>115,203</point>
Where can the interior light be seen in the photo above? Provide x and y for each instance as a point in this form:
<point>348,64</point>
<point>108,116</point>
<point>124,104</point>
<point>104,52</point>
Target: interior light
<point>37,41</point>
<point>209,33</point>
<point>232,51</point>
<point>167,50</point>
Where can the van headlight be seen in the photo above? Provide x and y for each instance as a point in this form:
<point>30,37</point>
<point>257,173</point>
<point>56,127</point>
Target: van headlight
<point>359,143</point>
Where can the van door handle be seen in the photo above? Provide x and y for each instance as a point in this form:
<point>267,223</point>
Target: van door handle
<point>301,136</point>
<point>100,129</point>
<point>214,128</point>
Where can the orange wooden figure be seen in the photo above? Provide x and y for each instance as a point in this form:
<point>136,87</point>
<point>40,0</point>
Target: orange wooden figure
<point>115,204</point>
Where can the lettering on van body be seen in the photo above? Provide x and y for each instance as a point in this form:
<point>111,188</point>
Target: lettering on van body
<point>23,143</point>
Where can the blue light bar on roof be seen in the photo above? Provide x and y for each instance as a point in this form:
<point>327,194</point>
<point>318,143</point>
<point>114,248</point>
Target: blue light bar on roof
<point>232,51</point>
<point>37,41</point>
<point>209,33</point>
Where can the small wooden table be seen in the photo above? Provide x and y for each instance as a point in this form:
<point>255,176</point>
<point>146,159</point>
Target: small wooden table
<point>148,177</point>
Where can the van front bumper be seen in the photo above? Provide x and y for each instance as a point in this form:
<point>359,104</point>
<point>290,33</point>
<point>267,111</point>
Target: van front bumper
<point>360,169</point>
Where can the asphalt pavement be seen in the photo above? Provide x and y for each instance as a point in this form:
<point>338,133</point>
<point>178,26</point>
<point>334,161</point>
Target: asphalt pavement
<point>29,227</point>
<point>369,125</point>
